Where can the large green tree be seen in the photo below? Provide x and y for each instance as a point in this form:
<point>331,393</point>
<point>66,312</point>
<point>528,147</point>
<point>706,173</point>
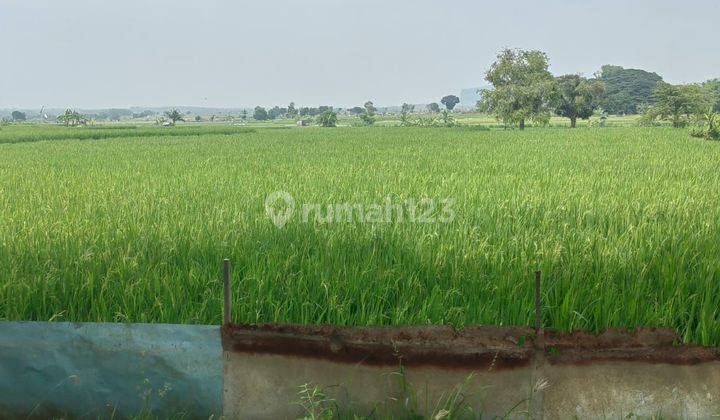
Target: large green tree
<point>18,116</point>
<point>291,111</point>
<point>368,117</point>
<point>450,101</point>
<point>627,91</point>
<point>260,113</point>
<point>174,115</point>
<point>327,119</point>
<point>522,88</point>
<point>679,103</point>
<point>577,97</point>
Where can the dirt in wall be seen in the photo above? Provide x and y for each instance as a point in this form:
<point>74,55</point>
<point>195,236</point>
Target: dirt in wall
<point>481,347</point>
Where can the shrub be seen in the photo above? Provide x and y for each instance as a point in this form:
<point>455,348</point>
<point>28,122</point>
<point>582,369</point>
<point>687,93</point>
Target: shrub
<point>707,126</point>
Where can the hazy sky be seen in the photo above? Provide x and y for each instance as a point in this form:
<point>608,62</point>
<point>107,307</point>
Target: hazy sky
<point>93,53</point>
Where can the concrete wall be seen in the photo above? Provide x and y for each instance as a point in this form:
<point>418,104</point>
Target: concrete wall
<point>265,387</point>
<point>575,376</point>
<point>255,372</point>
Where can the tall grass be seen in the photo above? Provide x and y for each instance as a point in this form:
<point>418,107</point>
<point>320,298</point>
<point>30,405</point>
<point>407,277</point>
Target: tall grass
<point>623,222</point>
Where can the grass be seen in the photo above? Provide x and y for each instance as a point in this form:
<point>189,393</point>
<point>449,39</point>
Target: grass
<point>32,133</point>
<point>624,223</point>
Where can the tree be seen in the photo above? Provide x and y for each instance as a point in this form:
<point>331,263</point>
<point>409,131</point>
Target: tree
<point>713,86</point>
<point>71,118</point>
<point>198,118</point>
<point>244,114</point>
<point>627,90</point>
<point>450,101</point>
<point>368,117</point>
<point>18,116</point>
<point>522,87</point>
<point>577,97</point>
<point>434,107</point>
<point>356,110</point>
<point>291,111</point>
<point>679,103</point>
<point>327,118</point>
<point>260,113</point>
<point>174,116</point>
<point>276,112</point>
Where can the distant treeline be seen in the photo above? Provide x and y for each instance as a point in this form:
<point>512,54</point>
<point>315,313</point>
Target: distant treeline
<point>626,91</point>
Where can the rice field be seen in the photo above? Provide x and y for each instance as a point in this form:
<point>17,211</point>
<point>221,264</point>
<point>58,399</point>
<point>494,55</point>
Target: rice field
<point>624,223</point>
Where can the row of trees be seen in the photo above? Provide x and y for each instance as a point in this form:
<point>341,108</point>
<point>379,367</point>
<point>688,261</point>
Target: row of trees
<point>367,113</point>
<point>525,90</point>
<point>261,114</point>
<point>682,105</point>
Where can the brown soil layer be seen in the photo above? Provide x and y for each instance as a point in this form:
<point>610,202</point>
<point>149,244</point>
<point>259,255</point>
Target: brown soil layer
<point>485,347</point>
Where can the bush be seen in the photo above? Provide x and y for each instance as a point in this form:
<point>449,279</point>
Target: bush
<point>367,118</point>
<point>707,127</point>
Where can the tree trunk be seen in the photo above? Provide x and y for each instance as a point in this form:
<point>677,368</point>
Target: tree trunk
<point>573,122</point>
<point>522,124</point>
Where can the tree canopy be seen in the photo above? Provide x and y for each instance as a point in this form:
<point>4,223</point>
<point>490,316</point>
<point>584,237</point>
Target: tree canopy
<point>679,103</point>
<point>328,118</point>
<point>523,87</point>
<point>174,115</point>
<point>713,86</point>
<point>71,117</point>
<point>577,97</point>
<point>434,107</point>
<point>291,111</point>
<point>260,113</point>
<point>450,101</point>
<point>627,91</point>
<point>18,116</point>
<point>368,116</point>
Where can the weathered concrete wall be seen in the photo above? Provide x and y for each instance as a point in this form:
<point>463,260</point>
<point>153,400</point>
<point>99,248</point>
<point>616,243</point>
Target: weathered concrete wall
<point>262,386</point>
<point>616,389</point>
<point>255,372</point>
<point>577,375</point>
<point>102,370</point>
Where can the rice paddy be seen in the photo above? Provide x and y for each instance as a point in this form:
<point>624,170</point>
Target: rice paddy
<point>131,225</point>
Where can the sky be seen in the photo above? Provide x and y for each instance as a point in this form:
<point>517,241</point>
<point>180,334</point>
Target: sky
<point>218,53</point>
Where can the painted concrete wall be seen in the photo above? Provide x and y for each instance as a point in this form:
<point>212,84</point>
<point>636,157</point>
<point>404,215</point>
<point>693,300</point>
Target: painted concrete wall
<point>100,370</point>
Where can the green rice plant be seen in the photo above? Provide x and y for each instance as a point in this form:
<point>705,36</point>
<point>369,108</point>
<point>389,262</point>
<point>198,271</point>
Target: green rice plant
<point>624,223</point>
<point>32,133</point>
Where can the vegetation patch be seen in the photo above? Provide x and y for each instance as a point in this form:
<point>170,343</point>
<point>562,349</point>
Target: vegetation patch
<point>623,223</point>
